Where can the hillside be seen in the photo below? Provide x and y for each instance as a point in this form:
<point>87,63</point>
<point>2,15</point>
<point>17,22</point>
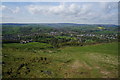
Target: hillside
<point>38,61</point>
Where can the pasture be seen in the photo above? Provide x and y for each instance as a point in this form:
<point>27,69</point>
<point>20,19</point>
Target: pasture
<point>41,60</point>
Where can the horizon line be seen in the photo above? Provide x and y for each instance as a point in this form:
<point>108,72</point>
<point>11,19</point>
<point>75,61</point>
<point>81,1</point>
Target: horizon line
<point>55,23</point>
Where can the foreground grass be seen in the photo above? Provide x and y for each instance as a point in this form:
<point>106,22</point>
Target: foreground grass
<point>40,61</point>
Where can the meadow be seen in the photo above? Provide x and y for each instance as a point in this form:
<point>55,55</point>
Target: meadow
<point>41,60</point>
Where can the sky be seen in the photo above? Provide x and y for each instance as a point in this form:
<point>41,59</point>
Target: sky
<point>60,12</point>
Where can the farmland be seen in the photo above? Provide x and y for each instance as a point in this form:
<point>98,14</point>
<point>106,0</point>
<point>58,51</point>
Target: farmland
<point>60,51</point>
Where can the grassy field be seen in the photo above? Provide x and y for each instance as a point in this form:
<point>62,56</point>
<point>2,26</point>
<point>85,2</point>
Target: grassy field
<point>40,60</point>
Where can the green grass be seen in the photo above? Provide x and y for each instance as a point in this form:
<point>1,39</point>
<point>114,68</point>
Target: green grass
<point>93,61</point>
<point>28,46</point>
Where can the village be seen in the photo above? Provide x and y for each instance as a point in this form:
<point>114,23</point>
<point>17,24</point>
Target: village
<point>68,36</point>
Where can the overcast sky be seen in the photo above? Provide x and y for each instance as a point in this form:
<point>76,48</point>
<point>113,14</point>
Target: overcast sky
<point>60,12</point>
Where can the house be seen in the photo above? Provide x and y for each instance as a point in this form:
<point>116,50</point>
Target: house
<point>25,41</point>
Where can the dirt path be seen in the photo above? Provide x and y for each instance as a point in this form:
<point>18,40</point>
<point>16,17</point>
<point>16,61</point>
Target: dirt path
<point>73,69</point>
<point>76,65</point>
<point>76,69</point>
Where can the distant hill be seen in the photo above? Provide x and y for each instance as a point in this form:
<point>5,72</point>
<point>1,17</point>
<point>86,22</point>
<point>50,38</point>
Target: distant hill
<point>13,24</point>
<point>60,24</point>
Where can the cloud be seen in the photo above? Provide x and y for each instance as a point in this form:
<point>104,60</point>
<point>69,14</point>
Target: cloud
<point>82,12</point>
<point>72,9</point>
<point>13,10</point>
<point>62,9</point>
<point>96,12</point>
<point>16,10</point>
<point>36,9</point>
<point>9,9</point>
<point>2,7</point>
<point>6,17</point>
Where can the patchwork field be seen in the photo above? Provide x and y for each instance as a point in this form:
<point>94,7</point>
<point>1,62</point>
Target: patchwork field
<point>40,60</point>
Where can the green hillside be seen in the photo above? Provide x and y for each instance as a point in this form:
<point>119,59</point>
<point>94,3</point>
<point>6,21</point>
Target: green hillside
<point>41,60</point>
